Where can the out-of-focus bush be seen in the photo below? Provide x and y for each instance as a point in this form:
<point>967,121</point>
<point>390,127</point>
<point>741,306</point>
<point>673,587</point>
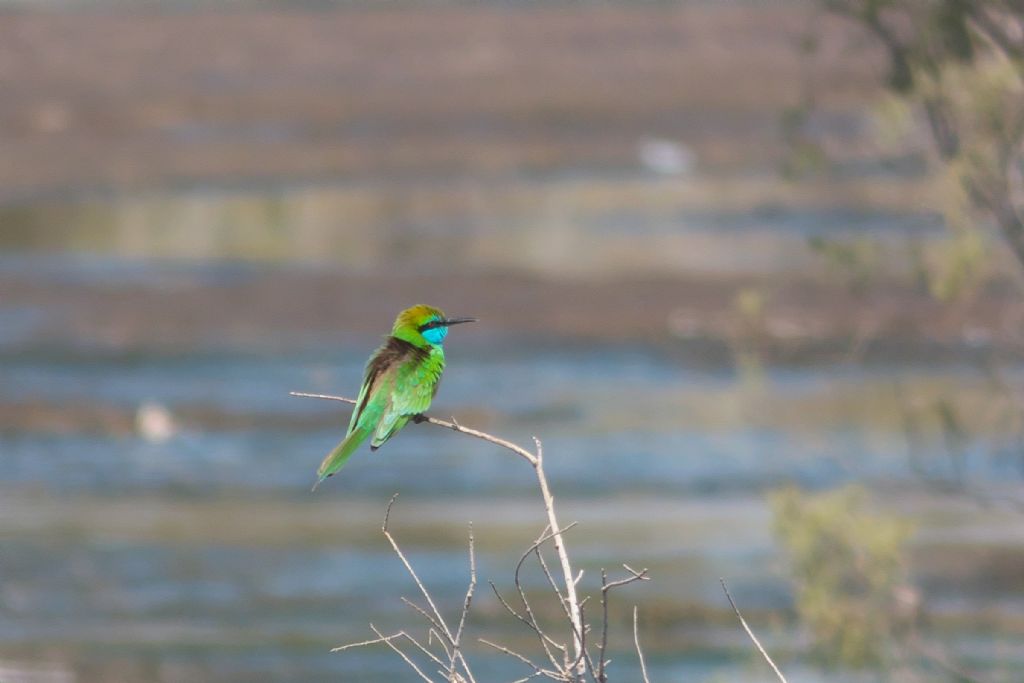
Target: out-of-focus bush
<point>847,565</point>
<point>955,68</point>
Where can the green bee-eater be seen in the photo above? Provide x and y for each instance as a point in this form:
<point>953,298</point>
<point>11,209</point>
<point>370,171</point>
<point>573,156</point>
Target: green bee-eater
<point>400,380</point>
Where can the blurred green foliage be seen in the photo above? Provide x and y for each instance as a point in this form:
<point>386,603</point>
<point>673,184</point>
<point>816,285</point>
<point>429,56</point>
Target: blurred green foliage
<point>957,67</point>
<point>961,265</point>
<point>854,262</point>
<point>847,561</point>
<point>750,335</point>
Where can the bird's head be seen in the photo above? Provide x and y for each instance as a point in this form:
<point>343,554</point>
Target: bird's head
<point>424,325</point>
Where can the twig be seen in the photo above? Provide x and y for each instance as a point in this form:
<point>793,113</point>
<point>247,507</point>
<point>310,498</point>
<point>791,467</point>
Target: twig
<point>544,638</point>
<point>535,549</point>
<point>387,640</point>
<point>432,635</point>
<point>465,604</point>
<point>537,462</point>
<point>551,581</point>
<point>639,652</point>
<point>452,425</point>
<point>304,394</point>
<point>564,602</point>
<point>364,643</point>
<point>583,661</point>
<point>527,679</point>
<point>601,661</point>
<point>425,650</point>
<point>575,617</point>
<point>437,628</point>
<point>437,619</point>
<point>537,671</point>
<point>606,587</point>
<point>750,633</point>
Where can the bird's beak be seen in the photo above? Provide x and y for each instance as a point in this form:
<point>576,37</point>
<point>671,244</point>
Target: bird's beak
<point>458,321</point>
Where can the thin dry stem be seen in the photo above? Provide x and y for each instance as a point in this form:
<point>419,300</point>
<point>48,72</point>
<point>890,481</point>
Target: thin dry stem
<point>537,462</point>
<point>534,549</point>
<point>384,639</point>
<point>639,652</point>
<point>607,587</point>
<point>531,622</point>
<point>551,582</point>
<point>439,628</point>
<point>750,633</point>
<point>387,640</point>
<point>364,643</point>
<point>575,617</point>
<point>452,425</point>
<point>537,671</point>
<point>438,619</point>
<point>465,604</point>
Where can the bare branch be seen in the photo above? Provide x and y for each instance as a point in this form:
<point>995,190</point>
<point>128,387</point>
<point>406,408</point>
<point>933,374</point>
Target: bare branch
<point>425,650</point>
<point>443,627</point>
<point>563,600</point>
<point>532,623</point>
<point>551,582</point>
<point>387,640</point>
<point>452,425</point>
<point>601,661</point>
<point>537,462</point>
<point>465,604</point>
<point>635,576</point>
<point>577,667</point>
<point>583,662</point>
<point>384,639</point>
<point>563,555</point>
<point>437,628</point>
<point>304,394</point>
<point>364,643</point>
<point>544,638</point>
<point>526,679</point>
<point>577,624</point>
<point>434,617</point>
<point>537,671</point>
<point>432,635</point>
<point>639,652</point>
<point>750,633</point>
<point>387,513</point>
<point>606,587</point>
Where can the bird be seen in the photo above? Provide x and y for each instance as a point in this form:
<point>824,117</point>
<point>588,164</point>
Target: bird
<point>399,382</point>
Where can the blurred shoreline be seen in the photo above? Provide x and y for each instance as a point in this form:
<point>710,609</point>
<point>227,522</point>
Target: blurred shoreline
<point>258,94</point>
<point>77,303</point>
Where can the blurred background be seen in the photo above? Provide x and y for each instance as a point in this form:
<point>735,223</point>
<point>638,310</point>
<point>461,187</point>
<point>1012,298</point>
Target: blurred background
<point>751,270</point>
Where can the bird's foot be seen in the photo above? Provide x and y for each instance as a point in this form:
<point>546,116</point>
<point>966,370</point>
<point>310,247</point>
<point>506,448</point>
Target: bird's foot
<point>419,418</point>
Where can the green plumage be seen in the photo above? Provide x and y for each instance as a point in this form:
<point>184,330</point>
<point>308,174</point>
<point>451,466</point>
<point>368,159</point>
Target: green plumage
<point>399,383</point>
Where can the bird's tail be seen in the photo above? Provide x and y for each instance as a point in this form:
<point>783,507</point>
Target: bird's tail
<point>337,458</point>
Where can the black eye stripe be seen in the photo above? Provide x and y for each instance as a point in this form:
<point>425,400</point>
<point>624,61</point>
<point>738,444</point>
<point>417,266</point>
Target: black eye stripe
<point>431,325</point>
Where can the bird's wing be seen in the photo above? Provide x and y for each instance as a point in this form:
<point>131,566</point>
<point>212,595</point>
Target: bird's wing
<point>383,360</point>
<point>369,380</point>
<point>411,386</point>
<point>387,427</point>
<point>398,382</point>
